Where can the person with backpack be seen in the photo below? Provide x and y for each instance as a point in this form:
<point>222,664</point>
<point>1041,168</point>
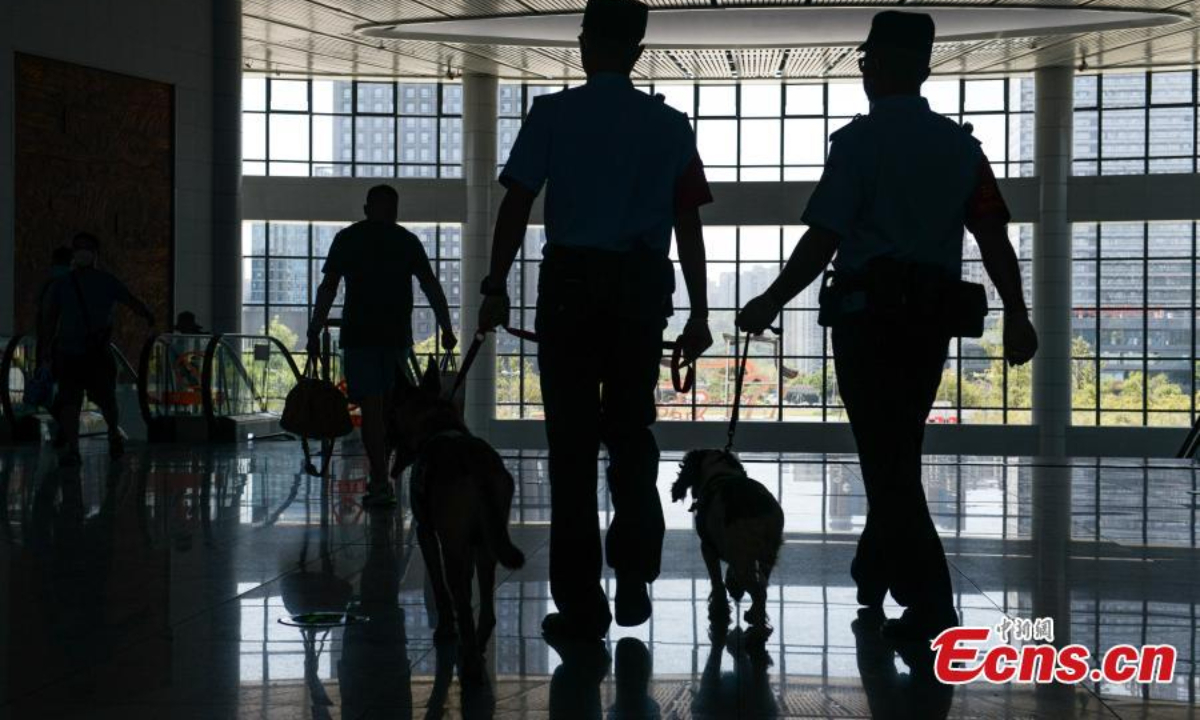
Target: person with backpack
<point>76,330</point>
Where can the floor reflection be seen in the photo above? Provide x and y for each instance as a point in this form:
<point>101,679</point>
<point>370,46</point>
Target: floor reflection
<point>157,588</point>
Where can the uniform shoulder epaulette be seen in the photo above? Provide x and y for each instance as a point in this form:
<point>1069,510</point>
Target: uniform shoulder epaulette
<point>660,97</point>
<point>858,120</point>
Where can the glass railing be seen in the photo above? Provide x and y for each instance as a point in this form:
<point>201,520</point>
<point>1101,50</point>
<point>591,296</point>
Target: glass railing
<point>171,369</point>
<point>246,375</point>
<point>18,366</point>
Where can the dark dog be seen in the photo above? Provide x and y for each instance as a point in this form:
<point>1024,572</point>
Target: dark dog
<point>461,495</point>
<point>738,521</point>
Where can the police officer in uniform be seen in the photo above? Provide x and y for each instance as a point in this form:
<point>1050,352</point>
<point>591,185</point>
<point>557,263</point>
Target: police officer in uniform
<point>899,186</point>
<point>621,171</point>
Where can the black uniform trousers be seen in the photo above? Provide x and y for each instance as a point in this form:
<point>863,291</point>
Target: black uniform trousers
<point>599,349</point>
<point>888,372</point>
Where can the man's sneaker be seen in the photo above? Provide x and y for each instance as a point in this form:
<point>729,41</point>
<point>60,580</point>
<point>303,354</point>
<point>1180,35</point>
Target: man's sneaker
<point>918,626</point>
<point>633,602</point>
<point>116,447</point>
<point>871,591</point>
<point>560,628</point>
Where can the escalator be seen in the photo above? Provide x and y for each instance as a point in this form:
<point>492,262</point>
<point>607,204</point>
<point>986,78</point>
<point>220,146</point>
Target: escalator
<point>214,388</point>
<point>21,421</point>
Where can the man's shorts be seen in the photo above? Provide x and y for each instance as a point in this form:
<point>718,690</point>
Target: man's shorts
<point>370,371</point>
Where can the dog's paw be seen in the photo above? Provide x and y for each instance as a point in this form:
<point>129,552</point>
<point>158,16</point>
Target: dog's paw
<point>719,610</point>
<point>755,616</point>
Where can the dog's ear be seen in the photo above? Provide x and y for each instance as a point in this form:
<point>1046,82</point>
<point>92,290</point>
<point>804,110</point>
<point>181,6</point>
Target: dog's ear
<point>687,476</point>
<point>680,487</point>
<point>431,381</point>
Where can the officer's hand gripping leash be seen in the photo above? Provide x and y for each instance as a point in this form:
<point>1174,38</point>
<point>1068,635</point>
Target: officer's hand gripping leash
<point>682,382</point>
<point>737,389</point>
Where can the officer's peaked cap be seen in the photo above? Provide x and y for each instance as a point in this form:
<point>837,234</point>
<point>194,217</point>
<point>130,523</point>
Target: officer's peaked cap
<point>616,20</point>
<point>903,31</point>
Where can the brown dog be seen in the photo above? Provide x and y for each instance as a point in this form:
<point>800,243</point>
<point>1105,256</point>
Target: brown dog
<point>461,495</point>
<point>738,521</point>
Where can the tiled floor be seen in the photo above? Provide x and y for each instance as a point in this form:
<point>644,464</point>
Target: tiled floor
<point>155,591</point>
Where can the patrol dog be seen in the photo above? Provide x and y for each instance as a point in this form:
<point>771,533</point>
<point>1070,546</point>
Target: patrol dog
<point>461,495</point>
<point>738,521</point>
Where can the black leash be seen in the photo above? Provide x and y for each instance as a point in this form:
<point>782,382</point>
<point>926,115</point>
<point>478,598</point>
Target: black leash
<point>468,360</point>
<point>683,382</point>
<point>737,388</point>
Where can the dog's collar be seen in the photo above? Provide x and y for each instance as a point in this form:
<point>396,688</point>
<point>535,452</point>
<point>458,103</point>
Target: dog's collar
<point>711,483</point>
<point>447,434</point>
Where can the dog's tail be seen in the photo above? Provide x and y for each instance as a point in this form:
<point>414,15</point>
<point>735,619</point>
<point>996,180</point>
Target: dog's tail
<point>509,555</point>
<point>495,518</point>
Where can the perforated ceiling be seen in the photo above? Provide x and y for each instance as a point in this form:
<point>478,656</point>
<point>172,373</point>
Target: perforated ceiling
<point>319,37</point>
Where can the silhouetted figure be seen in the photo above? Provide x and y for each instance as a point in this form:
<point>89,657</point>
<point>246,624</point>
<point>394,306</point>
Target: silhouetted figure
<point>60,265</point>
<point>897,190</point>
<point>378,259</point>
<point>621,170</point>
<point>575,684</point>
<point>633,667</point>
<point>374,671</point>
<point>891,695</point>
<point>744,693</point>
<point>75,335</point>
<point>185,322</point>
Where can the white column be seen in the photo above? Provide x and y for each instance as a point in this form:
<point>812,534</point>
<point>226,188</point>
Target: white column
<point>1051,396</point>
<point>227,166</point>
<point>479,171</point>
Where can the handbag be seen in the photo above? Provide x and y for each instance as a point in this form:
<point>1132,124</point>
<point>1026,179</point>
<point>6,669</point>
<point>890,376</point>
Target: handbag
<point>448,373</point>
<point>315,408</point>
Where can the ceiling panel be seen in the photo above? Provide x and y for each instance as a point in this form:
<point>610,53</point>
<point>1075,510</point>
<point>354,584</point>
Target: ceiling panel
<point>318,37</point>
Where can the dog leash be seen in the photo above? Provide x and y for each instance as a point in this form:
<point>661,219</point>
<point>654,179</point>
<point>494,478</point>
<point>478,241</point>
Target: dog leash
<point>737,387</point>
<point>683,382</point>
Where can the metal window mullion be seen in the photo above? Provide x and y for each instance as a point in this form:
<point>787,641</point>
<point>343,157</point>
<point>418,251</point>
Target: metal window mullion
<point>825,350</point>
<point>267,147</point>
<point>308,92</point>
<point>779,353</point>
<point>1099,307</point>
<point>308,291</point>
<point>737,286</point>
<point>695,385</point>
<point>1146,135</point>
<point>1146,316</point>
<point>437,132</point>
<point>267,278</point>
<point>353,128</point>
<point>1099,171</point>
<point>1192,335</point>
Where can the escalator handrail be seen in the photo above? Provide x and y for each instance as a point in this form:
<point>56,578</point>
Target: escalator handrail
<point>5,367</point>
<point>143,369</point>
<point>206,378</point>
<point>6,361</point>
<point>122,361</point>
